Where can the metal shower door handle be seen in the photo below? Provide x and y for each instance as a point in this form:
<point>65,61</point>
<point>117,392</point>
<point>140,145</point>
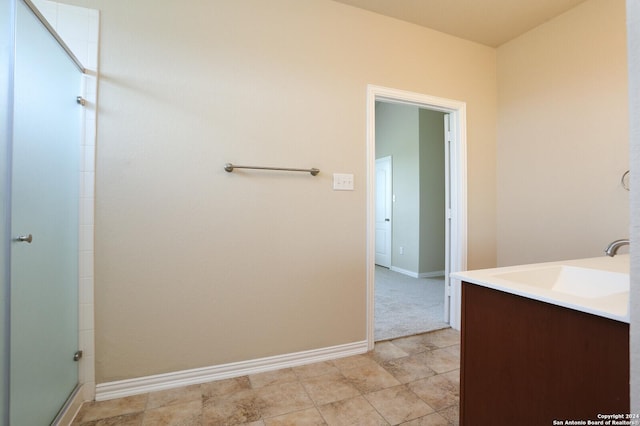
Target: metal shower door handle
<point>25,238</point>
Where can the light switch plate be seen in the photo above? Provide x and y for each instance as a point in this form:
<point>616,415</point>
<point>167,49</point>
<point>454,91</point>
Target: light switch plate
<point>342,182</point>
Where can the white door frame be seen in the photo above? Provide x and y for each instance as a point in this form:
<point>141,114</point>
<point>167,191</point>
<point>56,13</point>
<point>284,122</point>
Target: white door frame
<point>457,191</point>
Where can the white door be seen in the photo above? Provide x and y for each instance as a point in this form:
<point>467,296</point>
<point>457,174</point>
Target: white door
<point>383,211</point>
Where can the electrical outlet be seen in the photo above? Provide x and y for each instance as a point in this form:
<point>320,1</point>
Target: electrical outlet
<point>401,250</point>
<point>342,182</point>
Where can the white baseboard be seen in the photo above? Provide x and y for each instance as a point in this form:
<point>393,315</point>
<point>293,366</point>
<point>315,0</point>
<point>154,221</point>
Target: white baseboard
<point>417,275</point>
<point>431,274</point>
<point>140,385</point>
<point>404,272</point>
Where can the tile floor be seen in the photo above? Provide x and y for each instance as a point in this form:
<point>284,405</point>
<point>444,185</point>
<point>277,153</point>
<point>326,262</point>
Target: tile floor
<point>412,381</point>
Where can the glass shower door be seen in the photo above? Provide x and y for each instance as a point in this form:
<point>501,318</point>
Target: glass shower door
<point>44,225</point>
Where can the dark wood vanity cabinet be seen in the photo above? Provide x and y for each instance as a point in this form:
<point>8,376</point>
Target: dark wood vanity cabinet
<point>526,362</point>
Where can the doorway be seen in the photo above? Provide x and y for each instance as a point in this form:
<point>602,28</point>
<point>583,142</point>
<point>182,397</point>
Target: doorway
<point>453,209</point>
<point>410,220</point>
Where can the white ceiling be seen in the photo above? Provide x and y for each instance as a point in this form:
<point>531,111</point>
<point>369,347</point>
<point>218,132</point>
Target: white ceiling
<point>489,22</point>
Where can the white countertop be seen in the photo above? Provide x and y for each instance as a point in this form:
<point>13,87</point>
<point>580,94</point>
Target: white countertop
<point>521,280</point>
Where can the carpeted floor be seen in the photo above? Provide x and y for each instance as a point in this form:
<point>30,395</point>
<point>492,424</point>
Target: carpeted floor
<point>405,306</point>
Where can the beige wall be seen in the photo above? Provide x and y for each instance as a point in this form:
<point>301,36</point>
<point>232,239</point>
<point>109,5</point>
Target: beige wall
<point>563,137</point>
<point>197,267</point>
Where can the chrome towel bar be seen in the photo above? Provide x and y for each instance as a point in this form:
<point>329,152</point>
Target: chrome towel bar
<point>229,167</point>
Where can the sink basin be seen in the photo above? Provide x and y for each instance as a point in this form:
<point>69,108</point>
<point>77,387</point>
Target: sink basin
<point>597,285</point>
<point>576,281</point>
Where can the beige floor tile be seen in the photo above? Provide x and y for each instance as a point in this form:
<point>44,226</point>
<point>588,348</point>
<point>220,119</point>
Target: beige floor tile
<point>224,388</point>
<point>452,414</point>
<point>112,408</point>
<point>440,392</point>
<point>414,344</point>
<point>455,351</point>
<point>308,417</point>
<point>240,407</point>
<point>283,398</point>
<point>272,378</point>
<point>370,378</point>
<point>185,414</point>
<point>385,351</point>
<point>443,360</point>
<point>398,404</point>
<point>443,338</point>
<point>354,361</point>
<point>315,369</point>
<point>434,419</point>
<point>410,368</point>
<point>329,388</point>
<point>354,411</point>
<point>174,396</point>
<point>125,420</point>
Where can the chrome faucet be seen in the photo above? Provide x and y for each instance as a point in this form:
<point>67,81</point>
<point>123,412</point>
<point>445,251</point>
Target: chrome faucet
<point>612,248</point>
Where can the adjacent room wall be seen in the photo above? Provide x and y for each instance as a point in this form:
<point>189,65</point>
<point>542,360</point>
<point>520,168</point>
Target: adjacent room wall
<point>432,193</point>
<point>563,137</point>
<point>398,136</point>
<point>414,138</point>
<point>198,267</point>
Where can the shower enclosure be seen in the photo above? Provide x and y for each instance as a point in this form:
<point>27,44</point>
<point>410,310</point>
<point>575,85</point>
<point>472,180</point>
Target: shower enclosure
<point>39,175</point>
